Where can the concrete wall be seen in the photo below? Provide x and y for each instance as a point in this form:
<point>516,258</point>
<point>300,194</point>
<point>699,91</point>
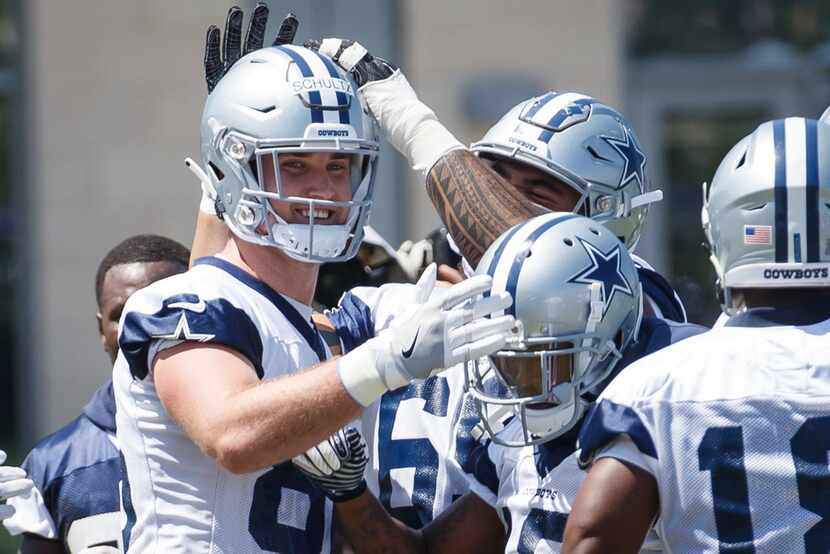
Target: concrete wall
<point>455,51</point>
<point>113,94</point>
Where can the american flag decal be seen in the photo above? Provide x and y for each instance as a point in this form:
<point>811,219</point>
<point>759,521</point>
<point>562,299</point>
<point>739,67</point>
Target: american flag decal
<point>758,234</point>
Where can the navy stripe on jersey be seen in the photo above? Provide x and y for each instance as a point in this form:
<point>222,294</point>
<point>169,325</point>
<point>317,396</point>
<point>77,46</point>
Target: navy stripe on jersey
<point>605,422</point>
<point>484,470</point>
<point>314,95</point>
<point>352,320</point>
<point>811,145</point>
<point>781,242</point>
<point>658,289</point>
<point>218,322</point>
<point>516,268</point>
<point>342,99</point>
<point>305,328</point>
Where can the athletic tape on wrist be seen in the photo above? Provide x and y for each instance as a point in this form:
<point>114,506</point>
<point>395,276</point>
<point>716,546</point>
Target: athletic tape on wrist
<point>360,377</point>
<point>409,124</point>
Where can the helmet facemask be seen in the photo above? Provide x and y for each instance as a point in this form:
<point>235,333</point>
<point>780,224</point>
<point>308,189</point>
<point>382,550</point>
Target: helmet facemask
<point>543,380</point>
<point>256,163</point>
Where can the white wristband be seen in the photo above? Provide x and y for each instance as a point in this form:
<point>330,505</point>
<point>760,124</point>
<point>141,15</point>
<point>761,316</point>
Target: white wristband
<point>367,372</point>
<point>409,124</point>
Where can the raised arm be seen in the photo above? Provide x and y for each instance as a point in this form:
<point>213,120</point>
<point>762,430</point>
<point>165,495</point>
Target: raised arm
<point>474,202</point>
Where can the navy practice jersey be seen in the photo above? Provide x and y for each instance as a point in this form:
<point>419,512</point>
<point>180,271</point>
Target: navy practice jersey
<point>76,471</point>
<point>177,498</point>
<point>734,425</point>
<point>532,488</point>
<point>658,294</point>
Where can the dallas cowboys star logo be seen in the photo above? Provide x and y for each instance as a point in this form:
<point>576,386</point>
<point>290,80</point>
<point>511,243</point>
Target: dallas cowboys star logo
<point>635,159</point>
<point>182,332</point>
<point>605,269</point>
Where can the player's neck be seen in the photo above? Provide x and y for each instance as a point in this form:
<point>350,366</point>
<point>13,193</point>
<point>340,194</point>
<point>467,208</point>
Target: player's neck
<point>276,269</point>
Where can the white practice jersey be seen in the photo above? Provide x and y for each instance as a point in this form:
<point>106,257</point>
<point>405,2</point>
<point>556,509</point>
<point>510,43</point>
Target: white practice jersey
<point>734,424</point>
<point>531,487</point>
<point>175,498</point>
<point>413,431</point>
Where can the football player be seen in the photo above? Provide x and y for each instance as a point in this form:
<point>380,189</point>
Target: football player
<point>211,400</point>
<point>578,300</point>
<point>723,439</point>
<point>75,504</point>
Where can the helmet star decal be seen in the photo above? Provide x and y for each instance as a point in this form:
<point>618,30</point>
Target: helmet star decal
<point>605,269</point>
<point>635,159</point>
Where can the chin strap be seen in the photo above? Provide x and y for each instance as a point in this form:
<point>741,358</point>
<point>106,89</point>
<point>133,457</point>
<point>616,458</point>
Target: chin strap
<point>594,317</point>
<point>209,195</point>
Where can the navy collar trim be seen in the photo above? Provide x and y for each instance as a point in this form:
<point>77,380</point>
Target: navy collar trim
<point>772,317</point>
<point>305,328</point>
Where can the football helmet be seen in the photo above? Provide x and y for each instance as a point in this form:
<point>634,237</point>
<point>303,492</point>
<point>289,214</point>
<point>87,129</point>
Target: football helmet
<point>825,117</point>
<point>766,214</point>
<point>277,100</point>
<point>578,304</point>
<point>585,144</point>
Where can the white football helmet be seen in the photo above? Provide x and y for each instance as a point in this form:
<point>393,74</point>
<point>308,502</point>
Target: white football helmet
<point>578,302</point>
<point>278,100</point>
<point>587,145</point>
<point>766,214</point>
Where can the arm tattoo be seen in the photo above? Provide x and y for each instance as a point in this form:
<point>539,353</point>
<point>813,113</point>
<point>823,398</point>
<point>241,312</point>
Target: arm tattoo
<point>475,203</point>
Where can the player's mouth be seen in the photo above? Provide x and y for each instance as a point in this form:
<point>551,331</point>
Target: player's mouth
<point>325,216</point>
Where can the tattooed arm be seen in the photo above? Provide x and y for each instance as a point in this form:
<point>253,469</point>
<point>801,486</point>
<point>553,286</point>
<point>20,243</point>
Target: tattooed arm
<point>474,202</point>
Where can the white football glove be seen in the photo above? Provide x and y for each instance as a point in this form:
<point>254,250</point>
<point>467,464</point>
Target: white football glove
<point>336,465</point>
<point>409,124</point>
<point>13,482</point>
<point>445,330</point>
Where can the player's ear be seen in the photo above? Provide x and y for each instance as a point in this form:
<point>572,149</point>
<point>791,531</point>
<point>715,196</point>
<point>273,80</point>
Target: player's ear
<point>101,336</point>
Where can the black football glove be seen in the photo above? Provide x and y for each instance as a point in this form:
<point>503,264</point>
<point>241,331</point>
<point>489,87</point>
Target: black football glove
<point>354,58</point>
<point>336,465</point>
<point>220,58</point>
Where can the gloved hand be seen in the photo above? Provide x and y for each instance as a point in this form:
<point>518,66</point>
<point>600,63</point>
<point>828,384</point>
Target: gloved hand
<point>354,58</point>
<point>220,58</point>
<point>336,465</point>
<point>450,327</point>
<point>409,124</point>
<point>13,482</point>
<point>414,257</point>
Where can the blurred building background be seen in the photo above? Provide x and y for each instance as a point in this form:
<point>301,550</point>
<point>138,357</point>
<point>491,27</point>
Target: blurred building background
<point>100,103</point>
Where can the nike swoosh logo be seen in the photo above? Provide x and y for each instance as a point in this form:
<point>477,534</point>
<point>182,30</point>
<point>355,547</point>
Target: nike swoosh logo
<point>408,352</point>
<point>197,307</point>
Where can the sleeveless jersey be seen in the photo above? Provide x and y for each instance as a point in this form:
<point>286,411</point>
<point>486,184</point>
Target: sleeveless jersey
<point>176,498</point>
<point>734,425</point>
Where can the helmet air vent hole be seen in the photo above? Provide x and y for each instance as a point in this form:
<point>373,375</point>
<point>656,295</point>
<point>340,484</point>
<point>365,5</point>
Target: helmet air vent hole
<point>596,154</point>
<point>568,242</point>
<point>266,109</point>
<point>742,161</point>
<point>755,208</point>
<point>595,231</point>
<point>216,171</point>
